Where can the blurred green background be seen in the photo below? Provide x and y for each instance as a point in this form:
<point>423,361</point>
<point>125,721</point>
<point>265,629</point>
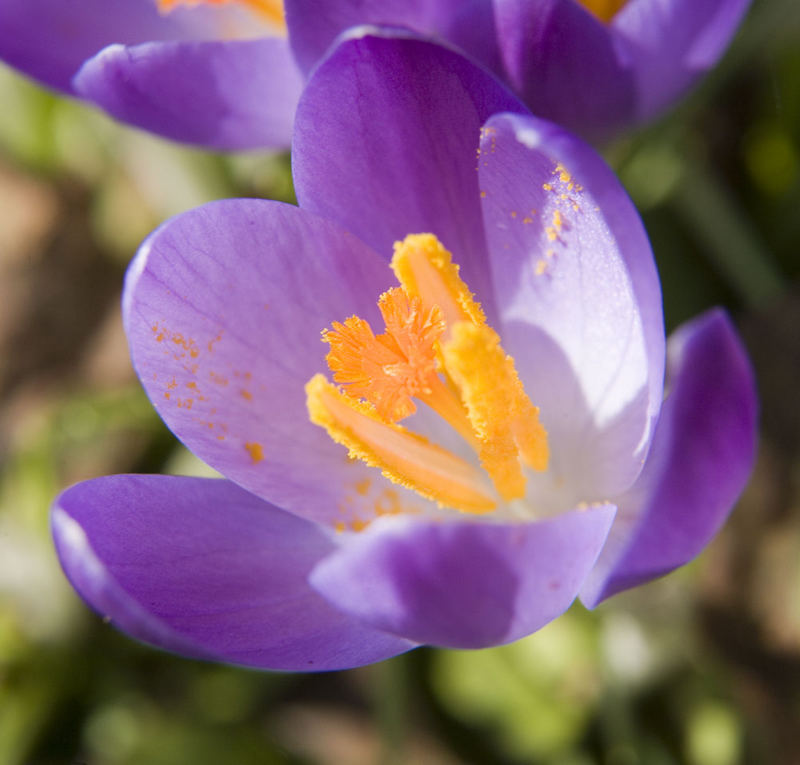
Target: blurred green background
<point>702,667</point>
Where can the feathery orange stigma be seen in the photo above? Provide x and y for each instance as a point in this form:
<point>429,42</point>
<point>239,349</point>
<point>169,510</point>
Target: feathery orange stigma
<point>390,369</point>
<point>270,10</point>
<point>438,349</point>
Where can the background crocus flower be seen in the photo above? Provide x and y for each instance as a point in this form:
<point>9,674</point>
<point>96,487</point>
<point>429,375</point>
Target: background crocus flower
<point>594,66</point>
<point>305,559</point>
<point>209,72</point>
<point>223,73</point>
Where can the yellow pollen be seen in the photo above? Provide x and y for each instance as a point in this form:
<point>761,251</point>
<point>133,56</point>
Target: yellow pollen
<point>438,349</point>
<point>255,450</point>
<point>605,10</point>
<point>563,174</point>
<point>269,10</point>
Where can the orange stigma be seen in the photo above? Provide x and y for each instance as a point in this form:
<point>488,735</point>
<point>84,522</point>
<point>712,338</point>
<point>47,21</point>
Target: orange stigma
<point>438,349</point>
<point>392,368</point>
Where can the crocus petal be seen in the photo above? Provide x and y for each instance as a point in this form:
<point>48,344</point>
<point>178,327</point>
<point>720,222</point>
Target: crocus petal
<point>202,568</point>
<point>50,39</point>
<point>397,154</point>
<point>223,307</point>
<point>701,457</point>
<point>313,26</point>
<point>234,94</point>
<point>581,314</point>
<point>463,585</point>
<point>672,42</point>
<point>565,64</point>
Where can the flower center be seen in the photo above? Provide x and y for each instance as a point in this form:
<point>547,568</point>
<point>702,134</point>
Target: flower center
<point>605,10</point>
<point>438,349</point>
<point>270,10</point>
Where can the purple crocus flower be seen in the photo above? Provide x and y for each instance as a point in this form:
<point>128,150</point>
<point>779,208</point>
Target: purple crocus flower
<point>208,72</point>
<point>501,458</point>
<point>593,66</point>
<point>223,73</point>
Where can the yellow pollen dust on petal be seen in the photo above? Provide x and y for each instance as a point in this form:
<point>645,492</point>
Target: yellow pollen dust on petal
<point>269,10</point>
<point>403,457</point>
<point>605,10</point>
<point>505,421</point>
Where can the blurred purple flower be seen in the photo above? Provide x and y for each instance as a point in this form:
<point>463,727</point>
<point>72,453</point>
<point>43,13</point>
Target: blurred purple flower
<point>593,66</point>
<point>218,74</point>
<point>226,77</point>
<point>307,559</point>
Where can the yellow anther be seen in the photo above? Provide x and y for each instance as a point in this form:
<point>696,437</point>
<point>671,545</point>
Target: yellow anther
<point>505,421</point>
<point>605,10</point>
<point>403,457</point>
<point>529,434</point>
<point>425,269</point>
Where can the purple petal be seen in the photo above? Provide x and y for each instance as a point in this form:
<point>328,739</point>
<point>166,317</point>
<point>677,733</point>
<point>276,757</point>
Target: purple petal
<point>463,584</point>
<point>50,39</point>
<point>575,275</point>
<point>671,43</point>
<point>314,26</point>
<point>224,306</point>
<point>565,65</point>
<point>397,154</point>
<point>236,94</point>
<point>203,568</point>
<point>701,457</point>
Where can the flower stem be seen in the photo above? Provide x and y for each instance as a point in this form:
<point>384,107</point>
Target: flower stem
<point>391,706</point>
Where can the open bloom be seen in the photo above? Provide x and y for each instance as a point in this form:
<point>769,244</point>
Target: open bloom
<point>435,390</point>
<point>224,73</point>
